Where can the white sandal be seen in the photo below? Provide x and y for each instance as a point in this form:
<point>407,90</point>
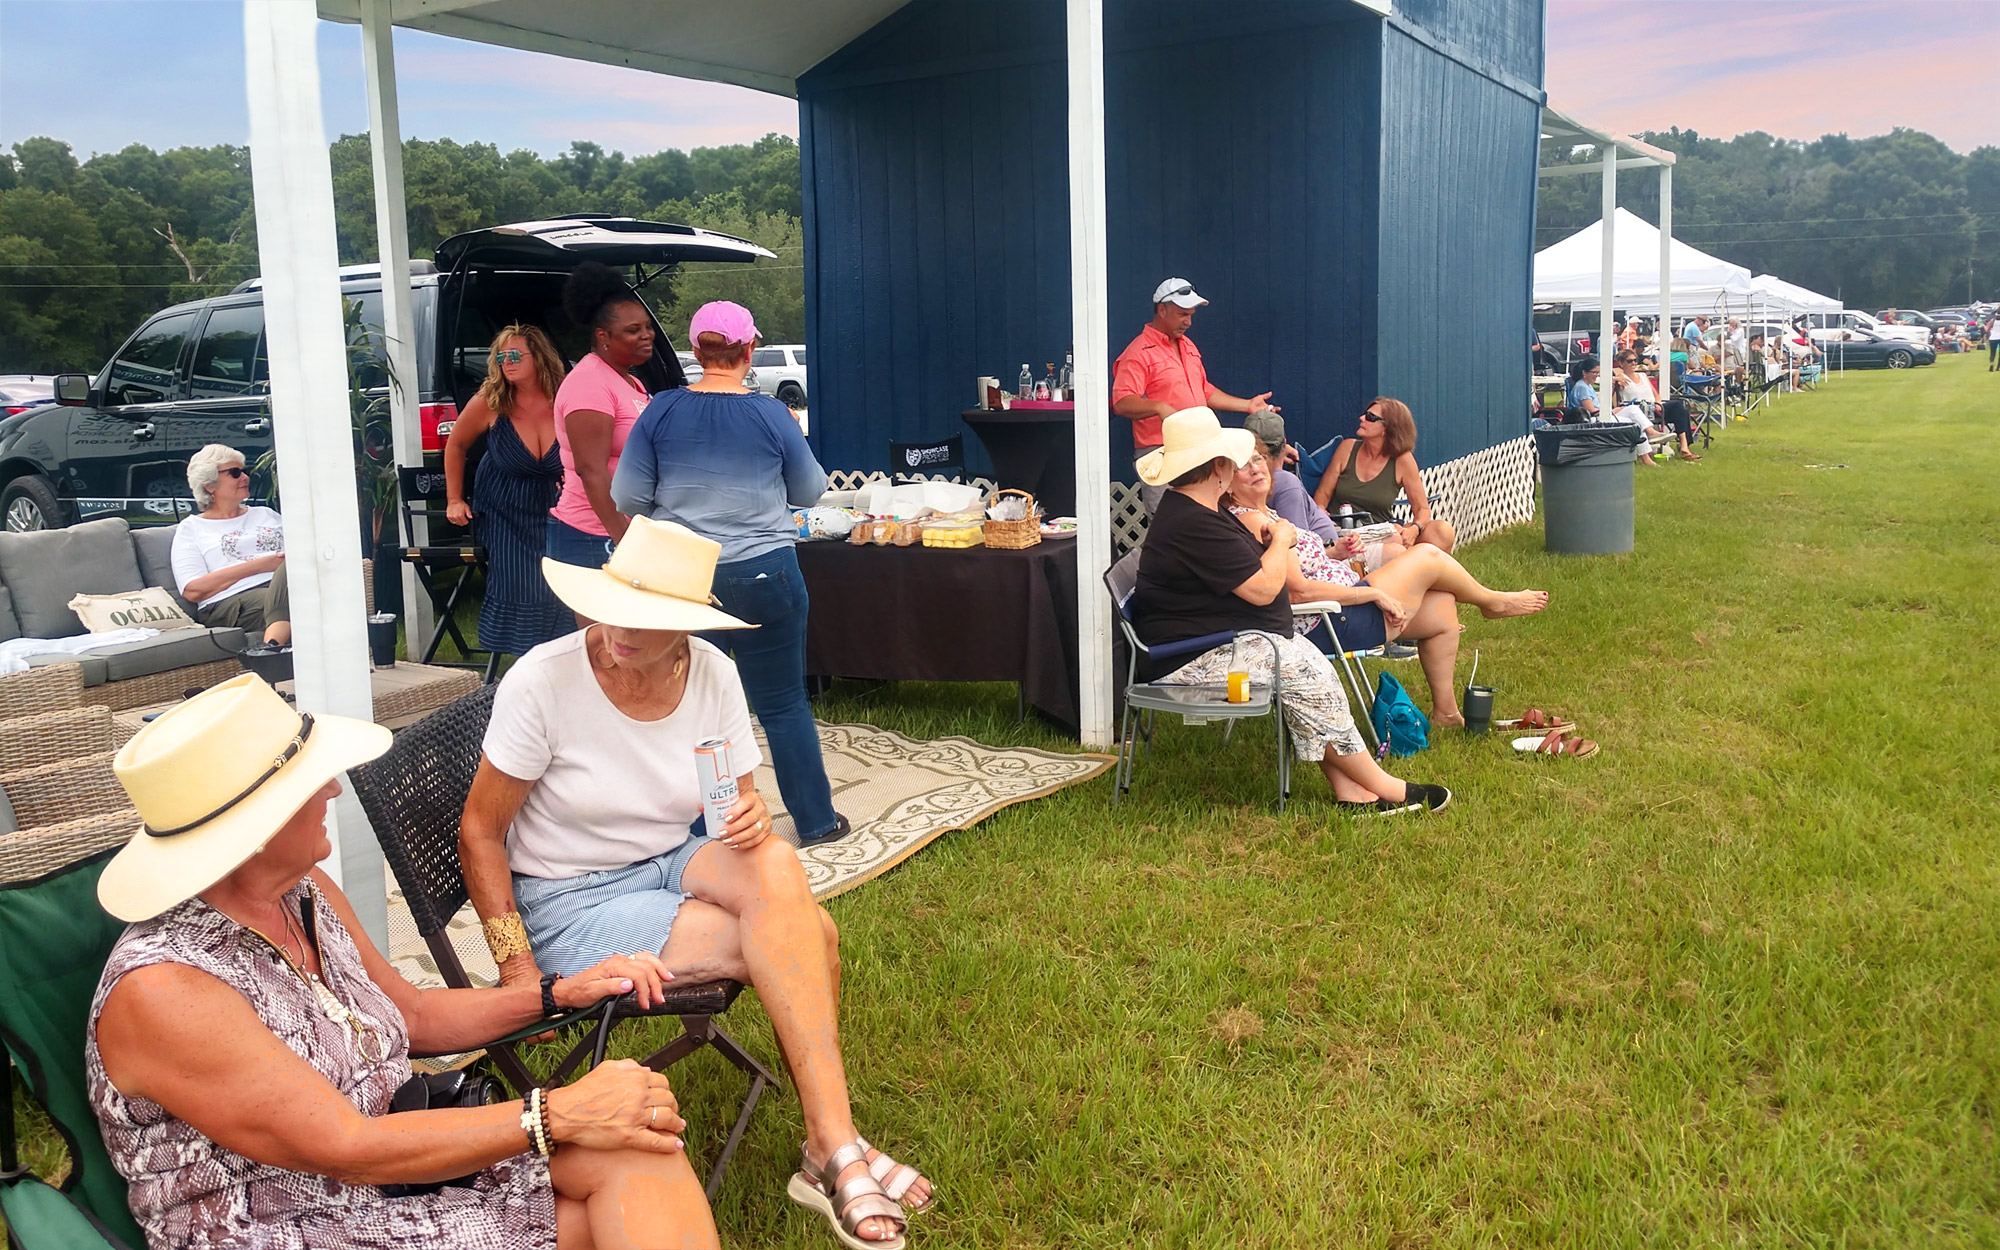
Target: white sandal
<point>845,1206</point>
<point>896,1178</point>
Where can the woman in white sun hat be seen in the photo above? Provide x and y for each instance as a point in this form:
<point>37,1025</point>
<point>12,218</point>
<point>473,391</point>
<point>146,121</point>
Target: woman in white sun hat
<point>584,835</point>
<point>1201,573</point>
<point>246,1038</point>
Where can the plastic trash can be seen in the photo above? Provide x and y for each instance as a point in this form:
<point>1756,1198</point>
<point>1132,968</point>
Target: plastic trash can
<point>1587,487</point>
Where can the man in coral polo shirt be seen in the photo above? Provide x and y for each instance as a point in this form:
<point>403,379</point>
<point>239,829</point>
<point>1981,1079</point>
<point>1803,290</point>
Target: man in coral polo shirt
<point>1160,373</point>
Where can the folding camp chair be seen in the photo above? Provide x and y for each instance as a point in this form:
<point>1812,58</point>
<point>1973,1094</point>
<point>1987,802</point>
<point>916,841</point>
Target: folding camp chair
<point>1704,398</point>
<point>1761,384</point>
<point>1196,703</point>
<point>54,940</point>
<point>414,795</point>
<point>445,572</point>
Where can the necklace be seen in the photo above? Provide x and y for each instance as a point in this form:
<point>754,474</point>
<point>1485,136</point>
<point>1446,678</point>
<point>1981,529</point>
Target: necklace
<point>359,1031</point>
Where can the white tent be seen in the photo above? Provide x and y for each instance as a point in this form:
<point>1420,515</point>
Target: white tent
<point>1778,294</point>
<point>1571,271</point>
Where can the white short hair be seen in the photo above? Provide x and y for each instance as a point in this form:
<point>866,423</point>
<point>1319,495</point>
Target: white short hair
<point>205,469</point>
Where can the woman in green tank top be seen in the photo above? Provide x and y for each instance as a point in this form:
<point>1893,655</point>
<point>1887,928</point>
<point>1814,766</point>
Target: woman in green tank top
<point>1369,470</point>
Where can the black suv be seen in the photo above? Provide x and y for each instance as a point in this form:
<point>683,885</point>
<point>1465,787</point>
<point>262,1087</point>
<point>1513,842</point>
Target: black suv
<point>118,444</point>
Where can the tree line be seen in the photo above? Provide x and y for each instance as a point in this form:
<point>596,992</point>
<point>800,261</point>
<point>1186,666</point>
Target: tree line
<point>90,248</point>
<point>1893,221</point>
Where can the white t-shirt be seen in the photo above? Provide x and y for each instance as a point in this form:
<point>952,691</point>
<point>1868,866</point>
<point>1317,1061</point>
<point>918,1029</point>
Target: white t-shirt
<point>204,546</point>
<point>609,790</point>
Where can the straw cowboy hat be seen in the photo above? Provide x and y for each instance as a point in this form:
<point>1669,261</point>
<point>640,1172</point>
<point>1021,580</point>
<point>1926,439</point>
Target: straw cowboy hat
<point>1194,437</point>
<point>658,578</point>
<point>214,779</point>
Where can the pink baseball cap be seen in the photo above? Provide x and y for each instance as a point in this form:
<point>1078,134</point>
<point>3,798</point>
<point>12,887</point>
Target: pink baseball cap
<point>732,321</point>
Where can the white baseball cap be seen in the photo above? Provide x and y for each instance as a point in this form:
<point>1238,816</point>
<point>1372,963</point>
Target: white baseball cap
<point>1179,292</point>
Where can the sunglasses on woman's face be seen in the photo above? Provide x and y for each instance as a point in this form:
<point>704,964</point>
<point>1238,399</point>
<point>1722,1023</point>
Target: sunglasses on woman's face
<point>1369,416</point>
<point>512,356</point>
<point>236,471</point>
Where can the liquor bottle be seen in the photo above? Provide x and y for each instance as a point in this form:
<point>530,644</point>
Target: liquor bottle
<point>1238,688</point>
<point>1068,379</point>
<point>1049,383</point>
<point>1027,385</point>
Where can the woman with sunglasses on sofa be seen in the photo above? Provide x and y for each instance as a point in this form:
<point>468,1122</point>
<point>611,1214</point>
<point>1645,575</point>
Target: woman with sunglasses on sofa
<point>229,558</point>
<point>1369,470</point>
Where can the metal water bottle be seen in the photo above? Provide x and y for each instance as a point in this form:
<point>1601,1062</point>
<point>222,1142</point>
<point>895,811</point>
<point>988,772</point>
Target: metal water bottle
<point>717,781</point>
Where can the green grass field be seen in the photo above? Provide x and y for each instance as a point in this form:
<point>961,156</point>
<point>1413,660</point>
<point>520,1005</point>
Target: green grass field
<point>1734,981</point>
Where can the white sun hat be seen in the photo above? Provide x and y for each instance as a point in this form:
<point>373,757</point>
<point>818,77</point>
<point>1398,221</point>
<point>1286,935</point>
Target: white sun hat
<point>214,779</point>
<point>1193,437</point>
<point>658,578</point>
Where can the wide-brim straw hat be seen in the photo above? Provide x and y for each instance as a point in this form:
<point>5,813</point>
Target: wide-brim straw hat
<point>1193,437</point>
<point>658,577</point>
<point>214,779</point>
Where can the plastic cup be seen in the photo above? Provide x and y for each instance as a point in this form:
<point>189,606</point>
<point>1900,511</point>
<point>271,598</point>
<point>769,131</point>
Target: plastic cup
<point>1478,708</point>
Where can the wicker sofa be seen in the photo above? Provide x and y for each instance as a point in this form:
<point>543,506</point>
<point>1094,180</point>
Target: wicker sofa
<point>41,571</point>
<point>61,800</point>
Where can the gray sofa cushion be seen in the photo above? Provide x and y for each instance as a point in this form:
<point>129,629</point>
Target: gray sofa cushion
<point>154,547</point>
<point>10,626</point>
<point>45,569</point>
<point>177,648</point>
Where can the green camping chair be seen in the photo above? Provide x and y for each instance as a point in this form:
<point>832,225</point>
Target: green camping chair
<point>54,939</point>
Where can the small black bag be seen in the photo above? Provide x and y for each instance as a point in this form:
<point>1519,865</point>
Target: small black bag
<point>457,1088</point>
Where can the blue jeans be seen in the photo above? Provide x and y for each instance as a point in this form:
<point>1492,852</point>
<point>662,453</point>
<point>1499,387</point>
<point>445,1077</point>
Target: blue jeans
<point>768,591</point>
<point>571,545</point>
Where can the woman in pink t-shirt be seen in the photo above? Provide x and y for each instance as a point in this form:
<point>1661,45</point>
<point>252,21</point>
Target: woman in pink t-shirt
<point>595,409</point>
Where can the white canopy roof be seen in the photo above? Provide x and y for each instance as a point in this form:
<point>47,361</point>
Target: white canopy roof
<point>1570,272</point>
<point>1777,291</point>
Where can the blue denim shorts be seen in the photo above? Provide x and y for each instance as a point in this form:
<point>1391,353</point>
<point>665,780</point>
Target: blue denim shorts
<point>574,922</point>
<point>571,545</point>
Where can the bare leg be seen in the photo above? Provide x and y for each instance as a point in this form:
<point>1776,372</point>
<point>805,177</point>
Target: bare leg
<point>278,633</point>
<point>626,1199</point>
<point>1438,533</point>
<point>1361,771</point>
<point>1425,568</point>
<point>1435,627</point>
<point>750,916</point>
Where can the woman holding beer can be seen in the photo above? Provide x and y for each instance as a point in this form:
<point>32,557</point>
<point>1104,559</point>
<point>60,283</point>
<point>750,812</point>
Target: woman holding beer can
<point>731,464</point>
<point>602,819</point>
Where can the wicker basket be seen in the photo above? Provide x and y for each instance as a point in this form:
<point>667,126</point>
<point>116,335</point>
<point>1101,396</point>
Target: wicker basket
<point>1014,535</point>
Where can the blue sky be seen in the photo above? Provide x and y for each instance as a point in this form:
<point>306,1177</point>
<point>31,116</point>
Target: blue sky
<point>104,73</point>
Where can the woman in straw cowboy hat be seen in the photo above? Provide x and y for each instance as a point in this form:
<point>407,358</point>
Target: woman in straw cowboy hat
<point>584,836</point>
<point>1201,572</point>
<point>247,1038</point>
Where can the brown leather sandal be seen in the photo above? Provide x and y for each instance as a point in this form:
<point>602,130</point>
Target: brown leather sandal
<point>1557,742</point>
<point>1536,718</point>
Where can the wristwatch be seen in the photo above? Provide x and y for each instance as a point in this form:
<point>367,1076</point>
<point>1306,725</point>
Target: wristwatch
<point>549,1007</point>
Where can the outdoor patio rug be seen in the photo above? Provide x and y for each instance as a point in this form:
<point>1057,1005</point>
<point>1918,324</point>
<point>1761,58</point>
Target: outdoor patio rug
<point>900,793</point>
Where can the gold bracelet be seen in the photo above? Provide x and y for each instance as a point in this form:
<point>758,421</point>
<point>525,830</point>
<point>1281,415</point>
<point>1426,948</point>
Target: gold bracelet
<point>506,936</point>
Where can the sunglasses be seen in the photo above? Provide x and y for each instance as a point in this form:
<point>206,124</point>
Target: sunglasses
<point>236,471</point>
<point>1180,290</point>
<point>1369,416</point>
<point>512,356</point>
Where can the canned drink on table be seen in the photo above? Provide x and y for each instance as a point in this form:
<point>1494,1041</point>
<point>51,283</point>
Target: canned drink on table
<point>717,781</point>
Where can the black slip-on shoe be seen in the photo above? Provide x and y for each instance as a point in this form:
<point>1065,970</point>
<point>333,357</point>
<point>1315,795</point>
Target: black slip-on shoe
<point>1417,797</point>
<point>840,830</point>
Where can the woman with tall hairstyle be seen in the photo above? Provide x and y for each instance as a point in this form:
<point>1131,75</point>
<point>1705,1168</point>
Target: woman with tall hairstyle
<point>731,464</point>
<point>520,478</point>
<point>1369,469</point>
<point>596,407</point>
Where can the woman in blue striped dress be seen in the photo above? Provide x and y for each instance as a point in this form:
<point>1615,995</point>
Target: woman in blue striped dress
<point>518,482</point>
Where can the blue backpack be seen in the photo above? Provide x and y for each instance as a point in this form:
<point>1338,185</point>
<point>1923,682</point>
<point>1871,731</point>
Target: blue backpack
<point>1399,724</point>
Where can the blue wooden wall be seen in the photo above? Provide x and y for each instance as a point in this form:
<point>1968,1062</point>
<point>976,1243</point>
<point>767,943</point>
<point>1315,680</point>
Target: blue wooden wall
<point>1263,150</point>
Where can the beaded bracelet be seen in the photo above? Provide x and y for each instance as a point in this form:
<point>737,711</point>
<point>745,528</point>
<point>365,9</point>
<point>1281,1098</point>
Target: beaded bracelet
<point>535,1124</point>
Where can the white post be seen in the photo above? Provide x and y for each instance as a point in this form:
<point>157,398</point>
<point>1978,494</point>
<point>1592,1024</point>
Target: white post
<point>293,185</point>
<point>1607,346</point>
<point>392,236</point>
<point>1088,287</point>
<point>1666,333</point>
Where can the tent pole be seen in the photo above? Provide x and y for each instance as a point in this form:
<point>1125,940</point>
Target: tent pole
<point>1607,346</point>
<point>392,236</point>
<point>1666,331</point>
<point>296,251</point>
<point>1088,287</point>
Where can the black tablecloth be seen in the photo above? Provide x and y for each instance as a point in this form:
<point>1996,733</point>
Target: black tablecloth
<point>939,614</point>
<point>1032,449</point>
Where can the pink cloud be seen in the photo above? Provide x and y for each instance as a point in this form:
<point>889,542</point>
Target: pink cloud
<point>1790,68</point>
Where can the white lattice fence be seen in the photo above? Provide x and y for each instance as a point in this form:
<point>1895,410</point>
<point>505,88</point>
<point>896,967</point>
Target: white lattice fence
<point>1128,519</point>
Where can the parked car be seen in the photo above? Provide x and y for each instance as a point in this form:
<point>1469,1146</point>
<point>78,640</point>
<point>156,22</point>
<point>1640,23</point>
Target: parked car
<point>1860,349</point>
<point>692,370</point>
<point>22,391</point>
<point>781,372</point>
<point>118,444</point>
<point>1826,327</point>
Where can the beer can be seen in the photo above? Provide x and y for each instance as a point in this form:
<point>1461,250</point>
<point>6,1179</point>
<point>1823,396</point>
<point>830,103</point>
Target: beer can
<point>717,781</point>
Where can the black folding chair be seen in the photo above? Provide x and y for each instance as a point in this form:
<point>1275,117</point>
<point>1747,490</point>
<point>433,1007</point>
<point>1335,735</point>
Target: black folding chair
<point>445,572</point>
<point>945,457</point>
<point>414,796</point>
